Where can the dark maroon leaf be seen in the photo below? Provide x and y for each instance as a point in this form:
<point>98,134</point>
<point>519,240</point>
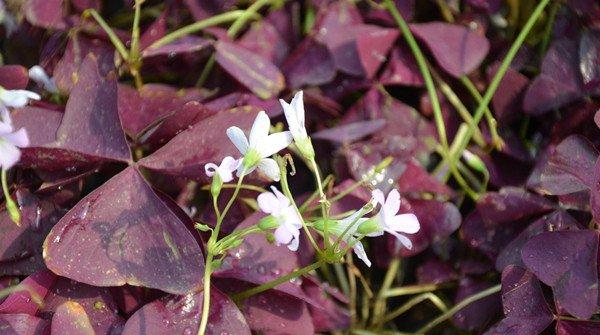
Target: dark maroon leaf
<point>30,294</point>
<point>508,99</point>
<point>49,14</point>
<point>155,31</point>
<point>510,204</point>
<point>204,142</point>
<point>489,6</point>
<point>255,72</point>
<point>13,77</point>
<point>186,44</point>
<point>525,308</point>
<point>589,57</point>
<point>21,246</point>
<point>82,5</point>
<point>569,166</point>
<point>188,114</point>
<point>71,318</point>
<point>66,72</point>
<point>23,324</point>
<point>331,316</point>
<point>456,49</point>
<point>97,303</point>
<point>557,220</point>
<point>567,261</point>
<point>310,63</point>
<point>415,179</point>
<point>480,313</point>
<point>263,39</point>
<point>124,233</point>
<point>564,327</point>
<point>202,9</point>
<point>181,315</point>
<point>350,132</point>
<point>402,69</point>
<point>435,272</point>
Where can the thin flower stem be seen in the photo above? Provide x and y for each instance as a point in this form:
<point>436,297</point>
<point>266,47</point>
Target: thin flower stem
<point>464,303</point>
<point>353,290</point>
<point>412,303</point>
<point>422,63</point>
<point>341,275</point>
<point>347,191</point>
<point>209,254</point>
<point>411,289</point>
<point>388,280</point>
<point>497,141</point>
<point>324,203</point>
<point>274,283</point>
<point>197,26</point>
<point>462,142</point>
<point>548,29</point>
<point>11,207</point>
<point>116,41</point>
<point>304,207</point>
<point>247,187</point>
<point>134,59</point>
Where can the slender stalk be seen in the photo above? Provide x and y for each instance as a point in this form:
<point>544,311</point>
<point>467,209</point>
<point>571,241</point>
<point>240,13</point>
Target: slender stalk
<point>344,284</point>
<point>116,41</point>
<point>464,140</point>
<point>274,283</point>
<point>548,29</point>
<point>464,303</point>
<point>11,207</point>
<point>324,203</point>
<point>412,303</point>
<point>247,187</point>
<point>197,26</point>
<point>206,294</point>
<point>497,141</point>
<point>411,289</point>
<point>422,63</point>
<point>388,280</point>
<point>304,207</point>
<point>135,62</point>
<point>353,290</point>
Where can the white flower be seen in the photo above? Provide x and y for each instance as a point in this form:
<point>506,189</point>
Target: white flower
<point>16,98</point>
<point>225,170</point>
<point>391,222</point>
<point>259,146</point>
<point>350,235</point>
<point>289,223</point>
<point>10,141</point>
<point>294,114</point>
<point>37,74</point>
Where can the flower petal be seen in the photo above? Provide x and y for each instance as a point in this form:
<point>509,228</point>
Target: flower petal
<point>274,143</point>
<point>210,169</point>
<point>230,163</point>
<point>404,223</point>
<point>405,241</point>
<point>378,196</point>
<point>17,98</point>
<point>392,203</point>
<point>18,138</point>
<point>283,200</point>
<point>40,76</point>
<point>270,168</point>
<point>293,246</point>
<point>291,118</point>
<point>9,154</point>
<point>268,203</point>
<point>359,250</point>
<point>298,105</point>
<point>236,135</point>
<point>283,235</point>
<point>260,130</point>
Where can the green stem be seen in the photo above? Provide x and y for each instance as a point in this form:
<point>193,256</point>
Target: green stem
<point>497,141</point>
<point>548,29</point>
<point>411,289</point>
<point>339,272</point>
<point>247,187</point>
<point>11,207</point>
<point>412,303</point>
<point>422,63</point>
<point>304,207</point>
<point>464,303</point>
<point>464,140</point>
<point>135,61</point>
<point>116,41</point>
<point>197,26</point>
<point>324,203</point>
<point>206,294</point>
<point>388,280</point>
<point>274,283</point>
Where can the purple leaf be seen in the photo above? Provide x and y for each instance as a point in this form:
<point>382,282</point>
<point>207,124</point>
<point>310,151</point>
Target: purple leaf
<point>402,69</point>
<point>205,142</point>
<point>255,72</point>
<point>589,58</point>
<point>71,318</point>
<point>330,316</point>
<point>31,292</point>
<point>415,179</point>
<point>567,261</point>
<point>525,308</point>
<point>348,133</point>
<point>310,63</point>
<point>23,324</point>
<point>569,165</point>
<point>49,14</point>
<point>480,313</point>
<point>434,271</point>
<point>181,315</point>
<point>457,49</point>
<point>66,72</point>
<point>186,44</point>
<point>124,233</point>
<point>559,82</point>
<point>96,302</point>
<point>564,327</point>
<point>13,77</point>
<point>557,220</point>
<point>508,99</point>
<point>21,246</point>
<point>264,40</point>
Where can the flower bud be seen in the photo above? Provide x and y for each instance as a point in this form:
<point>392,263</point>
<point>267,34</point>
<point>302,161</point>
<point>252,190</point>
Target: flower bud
<point>217,184</point>
<point>268,222</point>
<point>368,227</point>
<point>305,147</point>
<point>13,210</point>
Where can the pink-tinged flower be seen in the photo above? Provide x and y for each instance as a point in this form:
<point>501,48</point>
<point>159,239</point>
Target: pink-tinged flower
<point>225,170</point>
<point>10,141</point>
<point>259,146</point>
<point>39,75</point>
<point>390,221</point>
<point>286,218</point>
<point>16,98</point>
